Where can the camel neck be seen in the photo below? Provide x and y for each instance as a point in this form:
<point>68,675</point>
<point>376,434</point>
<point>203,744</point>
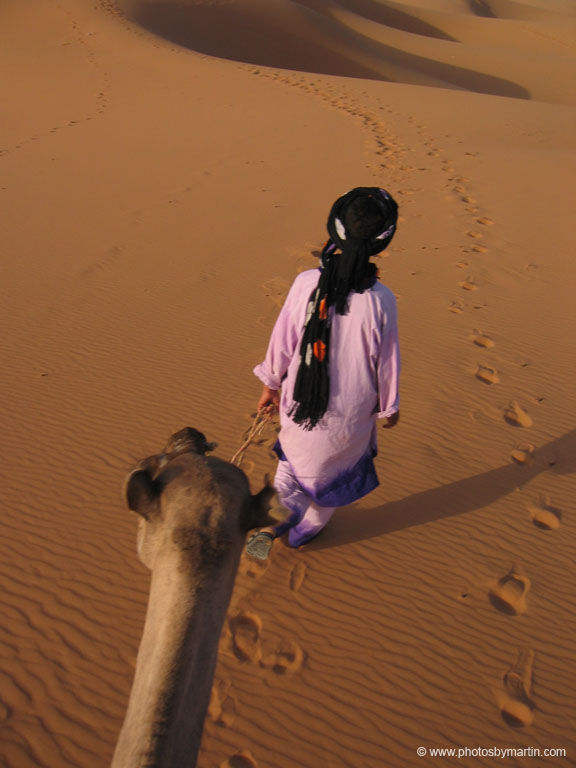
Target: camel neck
<point>175,665</point>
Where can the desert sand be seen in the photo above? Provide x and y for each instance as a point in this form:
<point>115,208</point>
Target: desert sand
<point>166,171</point>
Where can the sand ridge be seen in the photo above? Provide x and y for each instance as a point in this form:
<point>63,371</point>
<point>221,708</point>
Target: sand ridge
<point>382,40</point>
<point>159,203</point>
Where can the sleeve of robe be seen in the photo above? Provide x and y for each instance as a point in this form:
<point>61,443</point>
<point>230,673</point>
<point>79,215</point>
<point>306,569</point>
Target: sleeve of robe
<point>283,342</point>
<point>388,363</point>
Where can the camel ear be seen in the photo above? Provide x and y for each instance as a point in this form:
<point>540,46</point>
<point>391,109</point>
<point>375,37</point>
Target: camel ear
<point>142,493</point>
<point>256,512</point>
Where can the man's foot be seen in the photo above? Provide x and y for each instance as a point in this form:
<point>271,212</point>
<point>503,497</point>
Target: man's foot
<point>297,539</point>
<point>260,544</point>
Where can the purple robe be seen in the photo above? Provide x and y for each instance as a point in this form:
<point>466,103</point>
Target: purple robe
<point>333,463</point>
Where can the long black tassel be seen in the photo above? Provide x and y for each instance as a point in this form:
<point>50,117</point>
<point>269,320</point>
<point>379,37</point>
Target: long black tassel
<point>341,273</point>
<point>312,386</point>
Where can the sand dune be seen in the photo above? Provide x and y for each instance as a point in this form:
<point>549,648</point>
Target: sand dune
<point>166,171</point>
<point>384,41</point>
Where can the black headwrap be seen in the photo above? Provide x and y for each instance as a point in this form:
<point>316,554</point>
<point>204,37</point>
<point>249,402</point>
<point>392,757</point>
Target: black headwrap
<point>361,224</point>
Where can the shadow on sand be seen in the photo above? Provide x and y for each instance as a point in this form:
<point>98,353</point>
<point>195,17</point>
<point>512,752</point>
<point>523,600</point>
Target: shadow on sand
<point>304,37</point>
<point>457,498</point>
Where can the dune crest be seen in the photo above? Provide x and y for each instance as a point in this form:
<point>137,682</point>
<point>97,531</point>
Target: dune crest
<point>466,45</point>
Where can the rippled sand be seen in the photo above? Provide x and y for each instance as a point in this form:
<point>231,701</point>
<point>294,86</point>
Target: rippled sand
<point>167,169</point>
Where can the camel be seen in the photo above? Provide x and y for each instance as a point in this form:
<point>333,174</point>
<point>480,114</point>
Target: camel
<point>195,511</point>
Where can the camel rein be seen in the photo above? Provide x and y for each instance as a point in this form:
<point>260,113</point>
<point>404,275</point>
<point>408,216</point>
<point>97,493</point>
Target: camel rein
<point>263,417</point>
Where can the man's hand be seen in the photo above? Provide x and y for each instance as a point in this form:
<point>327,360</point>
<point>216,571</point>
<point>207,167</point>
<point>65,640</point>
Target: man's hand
<point>391,421</point>
<point>269,398</point>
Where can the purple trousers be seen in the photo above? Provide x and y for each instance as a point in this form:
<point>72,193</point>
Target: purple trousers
<point>307,518</point>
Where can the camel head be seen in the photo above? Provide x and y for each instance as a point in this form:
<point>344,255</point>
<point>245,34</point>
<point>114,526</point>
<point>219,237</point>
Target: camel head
<point>192,506</point>
<point>188,440</point>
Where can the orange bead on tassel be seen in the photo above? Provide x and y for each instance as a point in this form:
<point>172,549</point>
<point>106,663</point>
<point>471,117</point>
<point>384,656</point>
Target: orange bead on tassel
<point>319,350</point>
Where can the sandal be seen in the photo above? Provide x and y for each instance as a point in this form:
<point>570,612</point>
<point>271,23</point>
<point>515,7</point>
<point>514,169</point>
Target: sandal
<point>260,544</point>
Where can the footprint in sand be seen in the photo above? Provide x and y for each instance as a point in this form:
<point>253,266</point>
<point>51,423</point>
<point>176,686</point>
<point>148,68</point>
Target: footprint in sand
<point>297,576</point>
<point>515,415</point>
<point>282,657</point>
<point>468,199</point>
<point>522,454</point>
<point>516,703</point>
<point>546,516</point>
<point>479,249</point>
<point>510,593</point>
<point>484,221</point>
<point>482,340</point>
<point>468,285</point>
<point>222,706</point>
<point>242,759</point>
<point>456,307</point>
<point>276,289</point>
<point>253,568</point>
<point>475,235</point>
<point>246,629</point>
<point>308,260</point>
<point>487,375</point>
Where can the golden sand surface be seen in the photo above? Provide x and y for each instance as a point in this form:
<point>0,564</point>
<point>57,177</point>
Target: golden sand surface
<point>166,170</point>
